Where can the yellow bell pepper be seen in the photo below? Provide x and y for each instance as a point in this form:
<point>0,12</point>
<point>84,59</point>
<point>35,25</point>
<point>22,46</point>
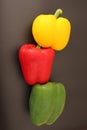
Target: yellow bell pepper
<point>51,30</point>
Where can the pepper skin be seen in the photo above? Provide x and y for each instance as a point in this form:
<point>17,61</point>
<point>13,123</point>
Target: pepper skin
<point>51,30</point>
<point>36,63</point>
<point>46,103</point>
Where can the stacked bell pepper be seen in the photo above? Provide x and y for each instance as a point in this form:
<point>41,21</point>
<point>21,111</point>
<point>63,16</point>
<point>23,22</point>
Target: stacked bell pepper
<point>47,99</point>
<point>36,63</point>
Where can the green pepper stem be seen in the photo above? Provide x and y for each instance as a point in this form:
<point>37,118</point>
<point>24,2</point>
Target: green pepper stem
<point>58,12</point>
<point>38,46</point>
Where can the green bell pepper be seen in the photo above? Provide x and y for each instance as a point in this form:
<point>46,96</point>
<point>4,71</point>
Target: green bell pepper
<point>46,103</point>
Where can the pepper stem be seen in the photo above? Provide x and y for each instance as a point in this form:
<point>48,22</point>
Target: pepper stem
<point>38,46</point>
<point>58,12</point>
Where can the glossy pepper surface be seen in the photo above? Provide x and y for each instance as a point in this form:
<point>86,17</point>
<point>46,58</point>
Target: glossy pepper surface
<point>46,103</point>
<point>51,30</point>
<point>36,63</point>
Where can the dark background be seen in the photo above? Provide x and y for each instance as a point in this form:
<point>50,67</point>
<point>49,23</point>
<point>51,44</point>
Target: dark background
<point>70,65</point>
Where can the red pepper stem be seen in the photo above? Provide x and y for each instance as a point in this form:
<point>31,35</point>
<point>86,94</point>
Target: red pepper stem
<point>38,46</point>
<point>58,12</point>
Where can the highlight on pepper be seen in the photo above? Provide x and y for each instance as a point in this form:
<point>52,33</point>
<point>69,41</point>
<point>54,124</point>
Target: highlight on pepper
<point>51,30</point>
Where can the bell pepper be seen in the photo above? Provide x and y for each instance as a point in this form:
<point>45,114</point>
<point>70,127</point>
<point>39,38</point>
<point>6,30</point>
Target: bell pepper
<point>46,103</point>
<point>51,30</point>
<point>36,63</point>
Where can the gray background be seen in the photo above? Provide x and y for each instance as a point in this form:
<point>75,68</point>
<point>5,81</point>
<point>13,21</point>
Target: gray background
<point>70,65</point>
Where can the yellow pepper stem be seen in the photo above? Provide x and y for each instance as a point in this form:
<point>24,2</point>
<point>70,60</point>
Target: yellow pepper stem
<point>58,12</point>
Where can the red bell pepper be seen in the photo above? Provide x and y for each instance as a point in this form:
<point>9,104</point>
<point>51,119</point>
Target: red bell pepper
<point>36,63</point>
